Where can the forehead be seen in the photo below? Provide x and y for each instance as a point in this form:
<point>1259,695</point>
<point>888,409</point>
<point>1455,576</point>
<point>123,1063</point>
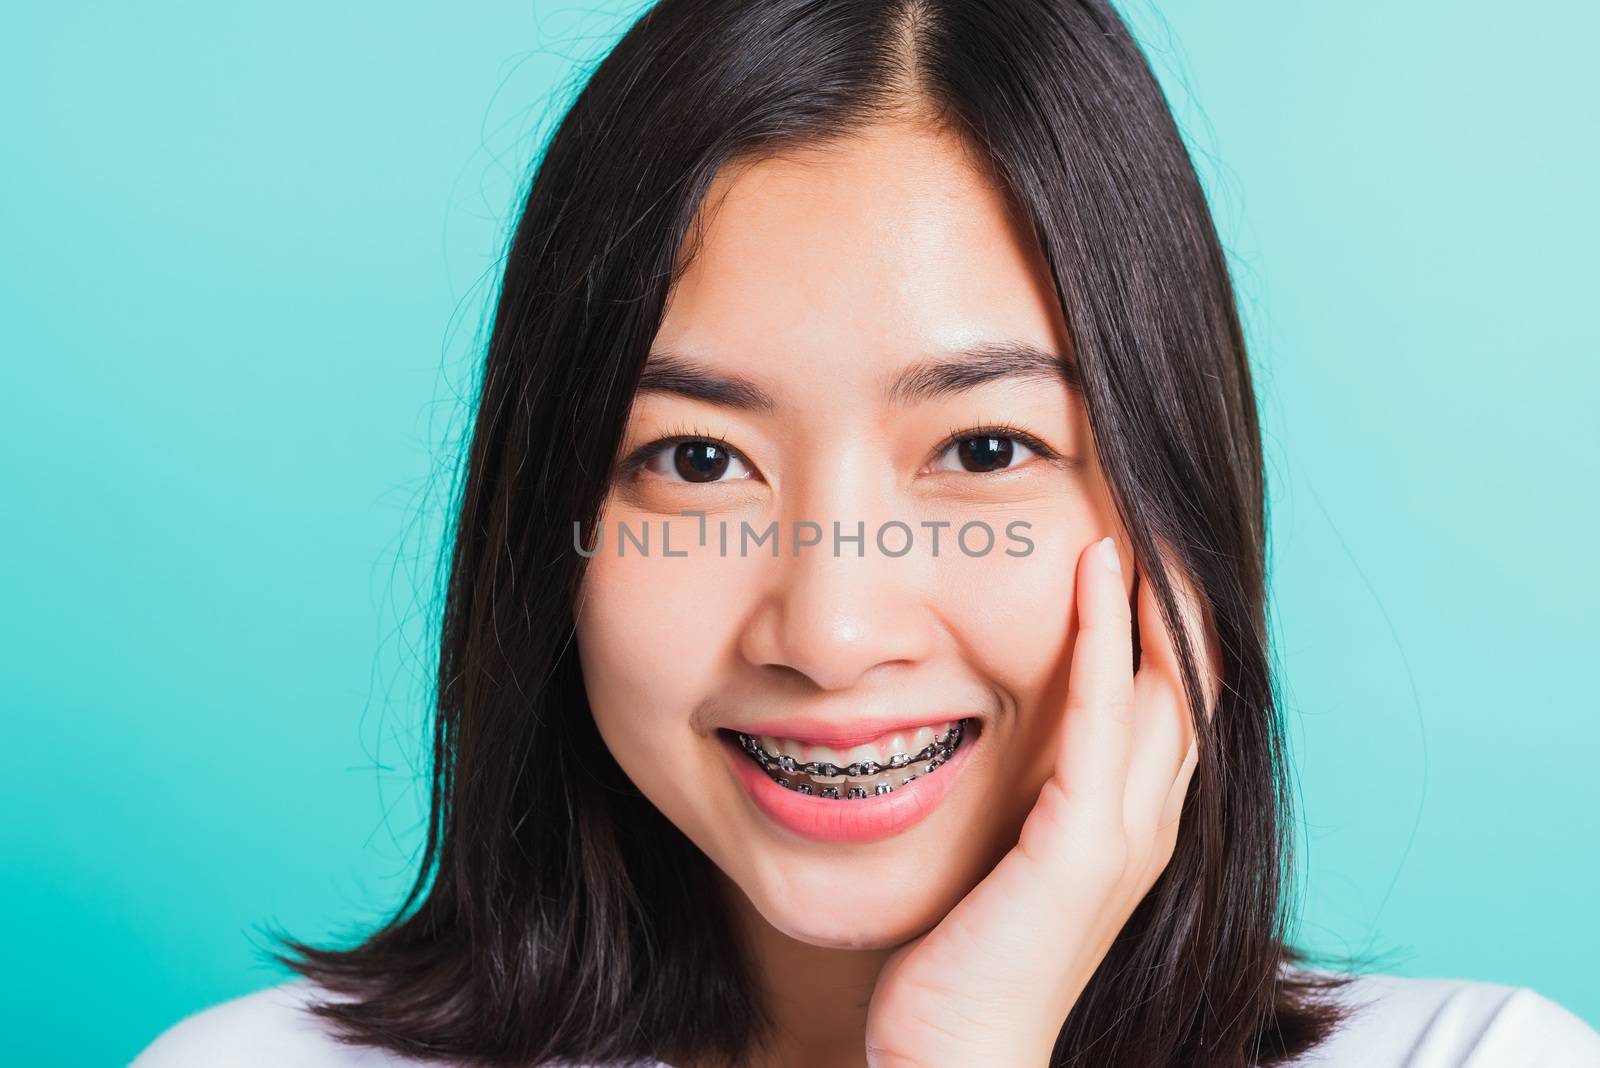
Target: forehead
<point>853,257</point>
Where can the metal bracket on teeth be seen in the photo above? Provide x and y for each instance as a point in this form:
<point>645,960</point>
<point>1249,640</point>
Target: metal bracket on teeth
<point>941,754</point>
<point>935,752</point>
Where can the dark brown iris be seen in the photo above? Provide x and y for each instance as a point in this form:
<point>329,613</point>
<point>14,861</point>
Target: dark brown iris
<point>985,453</point>
<point>700,461</point>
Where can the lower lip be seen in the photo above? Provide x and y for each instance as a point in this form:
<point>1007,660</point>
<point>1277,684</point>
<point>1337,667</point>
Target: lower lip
<point>863,819</point>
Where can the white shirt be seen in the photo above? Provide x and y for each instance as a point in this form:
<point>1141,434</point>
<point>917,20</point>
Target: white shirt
<point>1396,1023</point>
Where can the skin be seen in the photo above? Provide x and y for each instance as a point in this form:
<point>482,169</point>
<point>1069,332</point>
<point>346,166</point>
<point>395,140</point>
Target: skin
<point>821,274</point>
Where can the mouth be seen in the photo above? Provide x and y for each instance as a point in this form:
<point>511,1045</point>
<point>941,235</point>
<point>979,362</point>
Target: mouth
<point>873,774</point>
<point>856,795</point>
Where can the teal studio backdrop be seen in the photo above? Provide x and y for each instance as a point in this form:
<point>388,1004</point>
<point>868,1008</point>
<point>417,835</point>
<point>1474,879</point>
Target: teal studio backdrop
<point>248,252</point>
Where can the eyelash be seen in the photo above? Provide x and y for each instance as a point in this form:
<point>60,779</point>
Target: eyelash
<point>999,430</point>
<point>635,461</point>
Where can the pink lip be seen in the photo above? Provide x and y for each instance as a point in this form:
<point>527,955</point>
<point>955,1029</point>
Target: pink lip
<point>811,731</point>
<point>865,819</point>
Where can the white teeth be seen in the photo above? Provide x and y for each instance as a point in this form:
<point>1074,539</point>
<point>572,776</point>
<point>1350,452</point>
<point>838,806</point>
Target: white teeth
<point>826,755</point>
<point>890,756</point>
<point>861,753</point>
<point>879,750</point>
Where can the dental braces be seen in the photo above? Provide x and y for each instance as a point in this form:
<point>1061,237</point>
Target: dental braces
<point>935,753</point>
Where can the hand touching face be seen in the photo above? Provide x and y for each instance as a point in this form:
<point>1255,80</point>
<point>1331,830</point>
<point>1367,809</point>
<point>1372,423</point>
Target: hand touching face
<point>994,982</point>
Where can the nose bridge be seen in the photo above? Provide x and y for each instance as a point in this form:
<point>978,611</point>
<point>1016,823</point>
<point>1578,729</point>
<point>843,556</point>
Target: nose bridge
<point>836,609</point>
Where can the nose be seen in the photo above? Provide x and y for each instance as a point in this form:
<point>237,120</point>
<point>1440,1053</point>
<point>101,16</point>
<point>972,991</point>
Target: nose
<point>836,618</point>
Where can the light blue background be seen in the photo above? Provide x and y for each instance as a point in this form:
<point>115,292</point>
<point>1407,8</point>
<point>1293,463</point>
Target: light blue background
<point>247,250</point>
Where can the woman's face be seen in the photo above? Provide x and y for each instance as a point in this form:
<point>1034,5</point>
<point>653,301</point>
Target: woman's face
<point>818,376</point>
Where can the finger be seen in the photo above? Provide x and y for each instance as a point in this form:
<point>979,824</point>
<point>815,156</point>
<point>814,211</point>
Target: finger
<point>1092,758</point>
<point>1161,739</point>
<point>1172,810</point>
<point>1160,674</point>
<point>1158,645</point>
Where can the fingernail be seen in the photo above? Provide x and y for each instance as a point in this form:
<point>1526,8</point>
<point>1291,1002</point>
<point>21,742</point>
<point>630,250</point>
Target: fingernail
<point>1108,555</point>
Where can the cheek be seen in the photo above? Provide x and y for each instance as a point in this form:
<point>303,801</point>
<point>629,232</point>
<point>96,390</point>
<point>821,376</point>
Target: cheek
<point>652,634</point>
<point>1010,613</point>
<point>1014,620</point>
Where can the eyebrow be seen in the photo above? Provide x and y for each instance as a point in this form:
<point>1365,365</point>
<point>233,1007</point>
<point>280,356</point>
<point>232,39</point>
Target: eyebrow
<point>945,375</point>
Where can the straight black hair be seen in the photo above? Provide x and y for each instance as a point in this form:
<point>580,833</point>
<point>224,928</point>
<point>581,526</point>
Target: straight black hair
<point>557,914</point>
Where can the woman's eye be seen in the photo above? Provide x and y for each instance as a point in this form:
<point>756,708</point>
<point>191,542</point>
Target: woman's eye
<point>706,460</point>
<point>982,453</point>
<point>696,461</point>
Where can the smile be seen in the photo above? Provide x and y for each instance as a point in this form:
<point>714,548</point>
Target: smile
<point>863,801</point>
<point>857,780</point>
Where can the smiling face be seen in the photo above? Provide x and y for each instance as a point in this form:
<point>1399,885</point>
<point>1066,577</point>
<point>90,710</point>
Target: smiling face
<point>817,365</point>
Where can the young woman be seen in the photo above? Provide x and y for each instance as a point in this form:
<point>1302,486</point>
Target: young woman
<point>855,646</point>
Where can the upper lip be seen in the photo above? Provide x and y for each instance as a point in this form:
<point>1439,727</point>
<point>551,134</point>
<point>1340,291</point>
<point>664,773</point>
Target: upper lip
<point>814,730</point>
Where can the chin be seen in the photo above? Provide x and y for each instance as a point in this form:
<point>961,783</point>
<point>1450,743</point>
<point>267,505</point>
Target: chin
<point>852,904</point>
<point>871,897</point>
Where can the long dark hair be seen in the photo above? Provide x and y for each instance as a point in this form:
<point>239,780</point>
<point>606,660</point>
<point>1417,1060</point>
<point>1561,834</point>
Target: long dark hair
<point>557,915</point>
